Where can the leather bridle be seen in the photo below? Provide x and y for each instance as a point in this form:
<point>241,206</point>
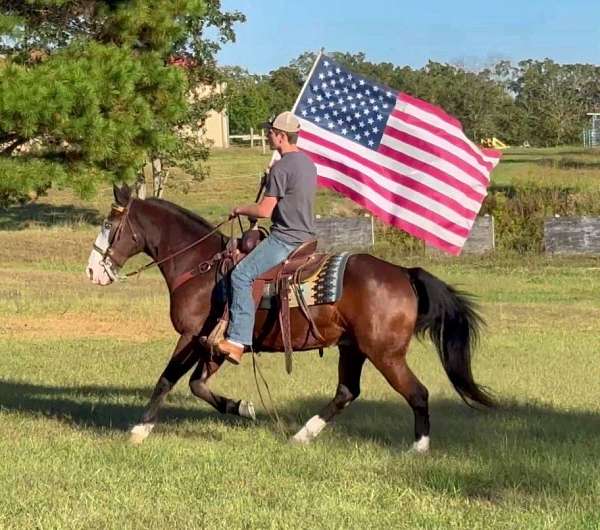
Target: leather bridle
<point>112,260</point>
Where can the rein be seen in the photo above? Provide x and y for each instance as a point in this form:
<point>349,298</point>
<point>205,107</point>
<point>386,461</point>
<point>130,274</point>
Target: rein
<point>272,412</point>
<point>175,254</point>
<point>204,267</point>
<point>125,221</point>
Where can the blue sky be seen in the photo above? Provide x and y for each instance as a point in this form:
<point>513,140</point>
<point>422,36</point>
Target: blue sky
<point>474,33</point>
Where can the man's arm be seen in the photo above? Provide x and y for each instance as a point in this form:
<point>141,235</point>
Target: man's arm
<point>262,209</point>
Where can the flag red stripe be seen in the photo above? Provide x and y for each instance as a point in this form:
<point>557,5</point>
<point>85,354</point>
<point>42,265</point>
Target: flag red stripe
<point>432,171</point>
<point>415,185</point>
<point>389,218</point>
<point>437,151</point>
<point>403,179</point>
<point>457,142</point>
<point>431,109</point>
<point>403,202</point>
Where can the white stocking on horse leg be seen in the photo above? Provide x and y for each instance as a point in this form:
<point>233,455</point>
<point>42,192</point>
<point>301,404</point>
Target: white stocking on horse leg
<point>421,446</point>
<point>310,431</point>
<point>140,432</point>
<point>246,410</point>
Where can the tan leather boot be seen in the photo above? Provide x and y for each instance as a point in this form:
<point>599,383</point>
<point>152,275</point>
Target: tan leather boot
<point>232,352</point>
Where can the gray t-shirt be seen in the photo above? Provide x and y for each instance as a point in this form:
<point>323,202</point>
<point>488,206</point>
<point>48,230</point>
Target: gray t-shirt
<point>293,180</point>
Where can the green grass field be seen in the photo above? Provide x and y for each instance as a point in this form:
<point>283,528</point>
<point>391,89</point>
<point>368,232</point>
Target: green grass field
<point>566,166</point>
<point>78,363</point>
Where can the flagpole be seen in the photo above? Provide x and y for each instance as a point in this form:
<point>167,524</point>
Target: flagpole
<point>321,53</point>
<point>276,156</point>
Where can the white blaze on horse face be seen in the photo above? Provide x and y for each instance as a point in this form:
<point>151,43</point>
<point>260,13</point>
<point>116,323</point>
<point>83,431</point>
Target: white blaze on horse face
<point>96,270</point>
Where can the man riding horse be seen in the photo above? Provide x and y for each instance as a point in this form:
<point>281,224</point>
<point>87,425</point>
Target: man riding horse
<point>380,307</point>
<point>288,200</point>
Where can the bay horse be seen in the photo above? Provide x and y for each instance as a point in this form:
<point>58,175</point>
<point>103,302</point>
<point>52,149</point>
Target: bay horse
<point>381,307</point>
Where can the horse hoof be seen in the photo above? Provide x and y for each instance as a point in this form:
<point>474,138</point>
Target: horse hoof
<point>140,432</point>
<point>420,447</point>
<point>246,410</point>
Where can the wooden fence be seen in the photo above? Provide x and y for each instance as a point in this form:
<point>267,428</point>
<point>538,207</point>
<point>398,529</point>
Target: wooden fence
<point>481,239</point>
<point>252,137</point>
<point>345,233</point>
<point>572,236</point>
<point>562,235</point>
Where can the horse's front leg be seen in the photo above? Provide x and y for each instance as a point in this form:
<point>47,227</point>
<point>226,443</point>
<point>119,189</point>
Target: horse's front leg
<point>198,384</point>
<point>183,358</point>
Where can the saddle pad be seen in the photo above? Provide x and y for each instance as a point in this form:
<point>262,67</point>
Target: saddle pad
<point>323,287</point>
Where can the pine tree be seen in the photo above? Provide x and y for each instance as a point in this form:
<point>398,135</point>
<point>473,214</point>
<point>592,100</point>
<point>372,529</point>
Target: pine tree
<point>89,90</point>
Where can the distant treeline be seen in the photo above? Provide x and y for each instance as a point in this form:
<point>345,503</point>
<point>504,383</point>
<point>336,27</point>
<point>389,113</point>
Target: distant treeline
<point>540,102</point>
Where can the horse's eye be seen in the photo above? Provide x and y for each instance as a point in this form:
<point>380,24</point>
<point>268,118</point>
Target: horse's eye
<point>107,225</point>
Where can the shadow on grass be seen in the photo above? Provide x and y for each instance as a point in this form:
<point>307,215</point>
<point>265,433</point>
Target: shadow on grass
<point>39,214</point>
<point>388,423</point>
<point>92,407</point>
<point>480,455</point>
<point>485,456</point>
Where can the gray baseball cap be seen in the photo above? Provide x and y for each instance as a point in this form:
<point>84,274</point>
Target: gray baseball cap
<point>286,121</point>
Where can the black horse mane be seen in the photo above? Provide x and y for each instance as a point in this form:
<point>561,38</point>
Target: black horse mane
<point>180,210</point>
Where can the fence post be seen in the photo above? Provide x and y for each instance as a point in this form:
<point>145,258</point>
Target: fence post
<point>572,235</point>
<point>344,233</point>
<point>262,142</point>
<point>251,137</point>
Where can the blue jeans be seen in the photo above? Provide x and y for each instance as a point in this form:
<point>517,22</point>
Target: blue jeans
<point>270,252</point>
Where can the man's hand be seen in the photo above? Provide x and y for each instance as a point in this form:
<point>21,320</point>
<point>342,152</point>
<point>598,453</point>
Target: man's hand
<point>263,209</point>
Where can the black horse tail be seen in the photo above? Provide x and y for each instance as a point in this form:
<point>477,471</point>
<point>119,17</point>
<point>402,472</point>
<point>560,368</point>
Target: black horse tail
<point>453,323</point>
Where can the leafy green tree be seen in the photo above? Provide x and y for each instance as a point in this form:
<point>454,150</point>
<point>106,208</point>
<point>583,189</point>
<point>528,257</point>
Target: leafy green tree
<point>472,97</point>
<point>303,63</point>
<point>285,84</point>
<point>247,99</point>
<point>89,91</point>
<point>551,97</point>
<point>252,99</point>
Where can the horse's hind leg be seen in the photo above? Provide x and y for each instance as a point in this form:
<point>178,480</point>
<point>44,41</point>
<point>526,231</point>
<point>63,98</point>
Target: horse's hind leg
<point>400,376</point>
<point>348,389</point>
<point>199,387</point>
<point>182,360</point>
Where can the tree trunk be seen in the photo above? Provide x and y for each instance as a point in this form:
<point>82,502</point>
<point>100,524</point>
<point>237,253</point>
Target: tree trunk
<point>159,177</point>
<point>140,184</point>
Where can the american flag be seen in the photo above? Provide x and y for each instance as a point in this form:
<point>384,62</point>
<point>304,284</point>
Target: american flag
<point>403,159</point>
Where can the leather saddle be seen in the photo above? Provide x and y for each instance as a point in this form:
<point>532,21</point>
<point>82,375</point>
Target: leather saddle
<point>300,265</point>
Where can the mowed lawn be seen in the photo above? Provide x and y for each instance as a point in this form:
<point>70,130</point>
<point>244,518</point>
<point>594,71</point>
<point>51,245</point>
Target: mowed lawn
<point>78,363</point>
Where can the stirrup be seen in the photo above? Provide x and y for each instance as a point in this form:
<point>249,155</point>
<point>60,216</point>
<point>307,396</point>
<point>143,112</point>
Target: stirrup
<point>215,336</point>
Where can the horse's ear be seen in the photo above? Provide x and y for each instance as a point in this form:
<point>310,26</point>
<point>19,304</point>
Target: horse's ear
<point>122,194</point>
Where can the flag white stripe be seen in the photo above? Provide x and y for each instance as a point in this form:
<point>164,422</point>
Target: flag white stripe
<point>394,187</point>
<point>389,163</point>
<point>390,207</point>
<point>441,164</point>
<point>436,121</point>
<point>427,136</point>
